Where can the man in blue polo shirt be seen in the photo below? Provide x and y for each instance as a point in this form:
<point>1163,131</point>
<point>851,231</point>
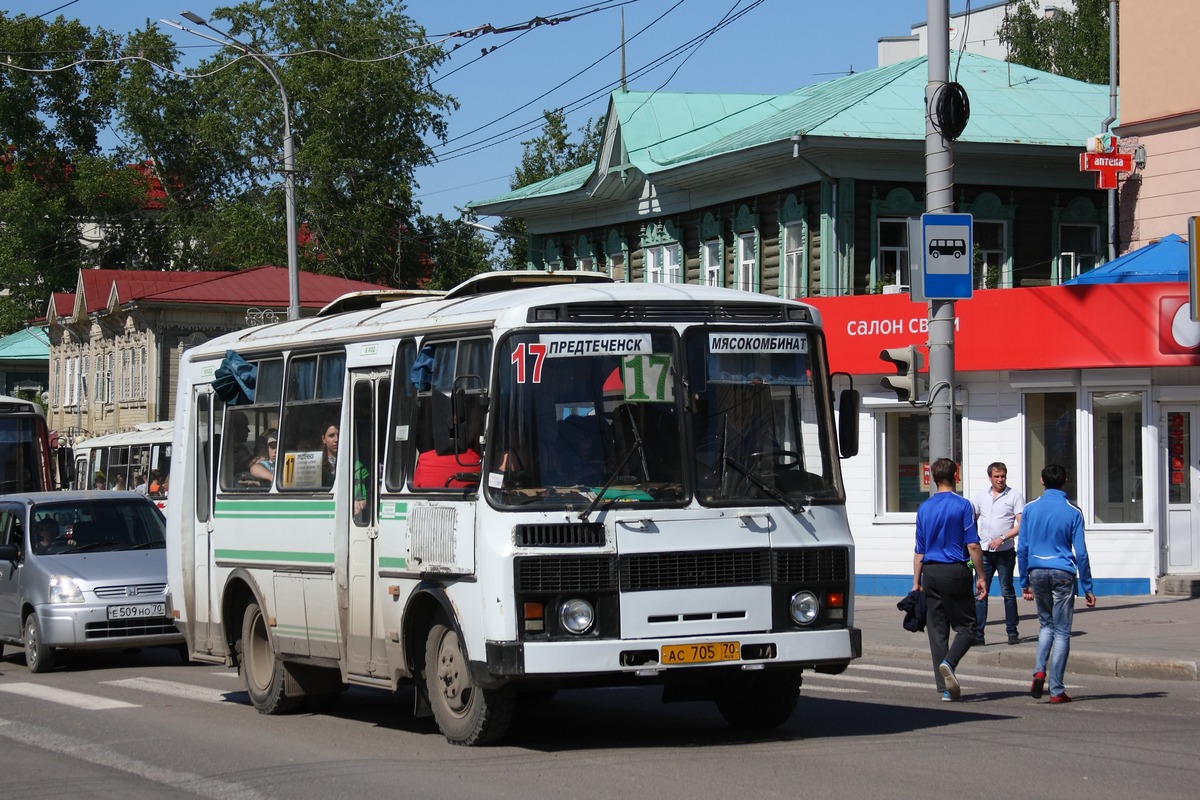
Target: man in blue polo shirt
<point>946,538</point>
<point>1049,553</point>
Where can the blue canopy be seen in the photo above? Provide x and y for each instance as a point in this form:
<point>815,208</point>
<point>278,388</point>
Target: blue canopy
<point>1165,261</point>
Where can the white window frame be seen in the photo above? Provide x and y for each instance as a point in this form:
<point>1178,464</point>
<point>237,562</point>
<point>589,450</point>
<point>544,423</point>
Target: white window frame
<point>790,281</point>
<point>712,264</point>
<point>997,257</point>
<point>747,260</point>
<point>902,275</point>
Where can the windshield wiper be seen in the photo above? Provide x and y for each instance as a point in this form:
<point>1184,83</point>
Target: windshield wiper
<point>616,470</point>
<point>770,491</point>
<point>146,546</point>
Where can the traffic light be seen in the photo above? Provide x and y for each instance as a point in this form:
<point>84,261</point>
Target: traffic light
<point>906,383</point>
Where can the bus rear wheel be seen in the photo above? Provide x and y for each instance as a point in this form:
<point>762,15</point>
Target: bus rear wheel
<point>262,671</point>
<point>466,713</point>
<point>760,700</point>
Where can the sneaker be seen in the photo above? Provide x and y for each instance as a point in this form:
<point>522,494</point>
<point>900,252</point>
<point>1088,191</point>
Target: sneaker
<point>1039,683</point>
<point>1014,638</point>
<point>1060,698</point>
<point>947,673</point>
<point>947,697</point>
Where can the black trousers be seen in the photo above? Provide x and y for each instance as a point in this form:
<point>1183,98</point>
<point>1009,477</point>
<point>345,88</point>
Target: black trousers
<point>949,605</point>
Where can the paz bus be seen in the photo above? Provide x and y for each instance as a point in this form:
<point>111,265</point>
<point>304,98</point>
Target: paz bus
<point>123,458</point>
<point>534,481</point>
<point>26,459</point>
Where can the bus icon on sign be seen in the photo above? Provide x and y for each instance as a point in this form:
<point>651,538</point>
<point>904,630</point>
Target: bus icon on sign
<point>947,247</point>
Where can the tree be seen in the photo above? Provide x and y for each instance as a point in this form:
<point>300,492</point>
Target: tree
<point>53,175</point>
<point>1074,44</point>
<point>548,154</point>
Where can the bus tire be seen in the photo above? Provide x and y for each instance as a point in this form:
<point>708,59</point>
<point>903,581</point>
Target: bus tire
<point>760,700</point>
<point>262,671</point>
<point>38,657</point>
<point>466,714</point>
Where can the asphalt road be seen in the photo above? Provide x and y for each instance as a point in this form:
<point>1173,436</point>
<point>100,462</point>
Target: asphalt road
<point>141,725</point>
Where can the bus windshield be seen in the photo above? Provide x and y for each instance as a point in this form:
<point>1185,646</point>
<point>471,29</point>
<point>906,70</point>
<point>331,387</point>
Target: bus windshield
<point>586,416</point>
<point>757,418</point>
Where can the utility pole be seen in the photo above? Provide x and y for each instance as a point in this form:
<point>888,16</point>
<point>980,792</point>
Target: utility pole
<point>939,198</point>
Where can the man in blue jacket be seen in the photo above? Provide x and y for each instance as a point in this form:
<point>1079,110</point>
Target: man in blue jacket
<point>1050,551</point>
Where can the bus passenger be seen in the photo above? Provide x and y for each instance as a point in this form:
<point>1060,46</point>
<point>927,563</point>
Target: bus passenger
<point>329,447</point>
<point>262,466</point>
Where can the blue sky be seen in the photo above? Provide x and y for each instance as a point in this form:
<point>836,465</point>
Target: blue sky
<point>775,46</point>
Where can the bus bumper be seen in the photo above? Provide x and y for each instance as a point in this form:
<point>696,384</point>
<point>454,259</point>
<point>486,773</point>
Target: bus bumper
<point>825,651</point>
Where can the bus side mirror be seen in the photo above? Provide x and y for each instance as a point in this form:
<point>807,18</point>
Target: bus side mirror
<point>848,404</point>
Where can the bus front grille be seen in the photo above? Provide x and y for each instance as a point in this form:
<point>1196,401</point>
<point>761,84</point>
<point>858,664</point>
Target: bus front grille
<point>695,570</point>
<point>566,574</point>
<point>811,565</point>
<point>561,534</point>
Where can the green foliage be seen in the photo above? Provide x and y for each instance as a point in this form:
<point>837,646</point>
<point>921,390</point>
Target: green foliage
<point>358,81</point>
<point>549,153</point>
<point>1072,44</point>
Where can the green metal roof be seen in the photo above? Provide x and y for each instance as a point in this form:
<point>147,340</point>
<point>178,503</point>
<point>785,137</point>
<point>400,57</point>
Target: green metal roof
<point>1010,104</point>
<point>28,344</point>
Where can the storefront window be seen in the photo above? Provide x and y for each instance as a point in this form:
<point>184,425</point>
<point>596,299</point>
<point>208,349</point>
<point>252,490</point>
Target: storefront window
<point>1117,440</point>
<point>906,480</point>
<point>1049,439</point>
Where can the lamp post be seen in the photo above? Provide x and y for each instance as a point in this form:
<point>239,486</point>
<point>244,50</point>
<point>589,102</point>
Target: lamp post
<point>289,185</point>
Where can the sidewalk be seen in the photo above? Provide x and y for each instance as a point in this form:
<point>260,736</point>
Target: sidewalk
<point>1145,636</point>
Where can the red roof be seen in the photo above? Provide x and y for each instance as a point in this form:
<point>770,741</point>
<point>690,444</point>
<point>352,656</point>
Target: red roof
<point>258,286</point>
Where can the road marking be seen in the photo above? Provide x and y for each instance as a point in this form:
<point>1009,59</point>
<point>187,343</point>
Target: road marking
<point>808,688</point>
<point>88,750</point>
<point>84,702</point>
<point>1024,682</point>
<point>185,691</point>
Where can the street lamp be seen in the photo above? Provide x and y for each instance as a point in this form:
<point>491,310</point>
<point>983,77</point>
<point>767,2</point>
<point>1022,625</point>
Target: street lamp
<point>289,185</point>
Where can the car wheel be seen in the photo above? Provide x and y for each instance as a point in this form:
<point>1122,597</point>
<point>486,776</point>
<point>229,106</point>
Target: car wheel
<point>466,713</point>
<point>38,657</point>
<point>262,671</point>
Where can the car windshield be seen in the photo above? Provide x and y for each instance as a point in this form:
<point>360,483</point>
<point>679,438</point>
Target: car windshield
<point>96,525</point>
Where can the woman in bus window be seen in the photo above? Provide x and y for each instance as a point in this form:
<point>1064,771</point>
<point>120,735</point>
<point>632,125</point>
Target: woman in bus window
<point>329,447</point>
<point>262,466</point>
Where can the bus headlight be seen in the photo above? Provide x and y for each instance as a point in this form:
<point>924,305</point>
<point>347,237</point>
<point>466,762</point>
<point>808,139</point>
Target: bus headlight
<point>804,607</point>
<point>577,616</point>
<point>64,590</point>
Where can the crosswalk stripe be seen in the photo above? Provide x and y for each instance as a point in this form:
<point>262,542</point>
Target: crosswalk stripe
<point>185,691</point>
<point>94,753</point>
<point>79,700</point>
<point>976,679</point>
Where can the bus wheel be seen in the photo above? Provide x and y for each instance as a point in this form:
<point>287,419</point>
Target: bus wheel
<point>466,714</point>
<point>759,700</point>
<point>38,657</point>
<point>262,671</point>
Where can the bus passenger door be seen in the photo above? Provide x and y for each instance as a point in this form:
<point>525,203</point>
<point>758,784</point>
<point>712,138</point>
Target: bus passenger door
<point>369,391</point>
<point>199,517</point>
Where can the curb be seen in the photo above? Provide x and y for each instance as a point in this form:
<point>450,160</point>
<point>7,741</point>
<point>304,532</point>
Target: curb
<point>1100,664</point>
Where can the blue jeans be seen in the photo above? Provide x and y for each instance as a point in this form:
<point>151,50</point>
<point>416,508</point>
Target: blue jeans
<point>1054,594</point>
<point>1004,564</point>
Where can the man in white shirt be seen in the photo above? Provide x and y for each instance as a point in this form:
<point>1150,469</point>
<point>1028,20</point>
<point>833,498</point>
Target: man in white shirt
<point>998,516</point>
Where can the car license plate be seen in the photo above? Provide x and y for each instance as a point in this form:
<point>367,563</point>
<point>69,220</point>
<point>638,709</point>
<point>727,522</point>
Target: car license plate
<point>138,611</point>
<point>701,653</point>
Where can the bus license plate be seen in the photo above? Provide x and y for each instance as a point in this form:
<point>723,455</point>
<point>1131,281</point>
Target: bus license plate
<point>701,653</point>
<point>138,611</point>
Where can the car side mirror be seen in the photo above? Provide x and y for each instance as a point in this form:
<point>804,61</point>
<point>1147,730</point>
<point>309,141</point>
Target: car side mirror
<point>8,552</point>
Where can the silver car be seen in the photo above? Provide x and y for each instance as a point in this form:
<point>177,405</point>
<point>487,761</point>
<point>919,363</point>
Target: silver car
<point>82,571</point>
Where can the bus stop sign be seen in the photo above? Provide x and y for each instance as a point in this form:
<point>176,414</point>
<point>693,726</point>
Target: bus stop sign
<point>947,256</point>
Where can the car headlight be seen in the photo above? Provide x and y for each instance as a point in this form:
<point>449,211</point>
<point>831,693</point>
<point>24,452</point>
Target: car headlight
<point>804,607</point>
<point>65,590</point>
<point>577,616</point>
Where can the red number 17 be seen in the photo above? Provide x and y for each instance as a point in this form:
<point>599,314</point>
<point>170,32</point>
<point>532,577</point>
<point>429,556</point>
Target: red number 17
<point>537,352</point>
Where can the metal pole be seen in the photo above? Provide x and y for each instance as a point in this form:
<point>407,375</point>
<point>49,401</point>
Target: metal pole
<point>289,184</point>
<point>939,197</point>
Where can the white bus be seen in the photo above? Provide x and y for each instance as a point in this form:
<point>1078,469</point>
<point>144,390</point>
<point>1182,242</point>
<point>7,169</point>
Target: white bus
<point>535,486</point>
<point>124,459</point>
